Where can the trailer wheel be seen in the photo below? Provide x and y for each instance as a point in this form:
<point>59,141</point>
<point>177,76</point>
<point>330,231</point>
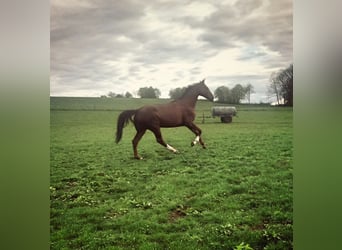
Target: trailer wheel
<point>226,119</point>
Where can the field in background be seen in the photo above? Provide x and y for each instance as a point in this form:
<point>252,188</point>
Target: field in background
<point>236,193</point>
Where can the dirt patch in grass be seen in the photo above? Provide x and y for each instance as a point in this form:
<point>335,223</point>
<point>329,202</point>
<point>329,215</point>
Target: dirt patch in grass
<point>177,213</point>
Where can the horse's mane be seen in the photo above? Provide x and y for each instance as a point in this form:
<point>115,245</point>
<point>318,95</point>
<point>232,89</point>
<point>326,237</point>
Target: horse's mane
<point>188,89</point>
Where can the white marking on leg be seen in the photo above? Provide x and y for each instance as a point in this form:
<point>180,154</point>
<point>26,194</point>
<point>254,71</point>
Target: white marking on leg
<point>171,148</point>
<point>196,140</point>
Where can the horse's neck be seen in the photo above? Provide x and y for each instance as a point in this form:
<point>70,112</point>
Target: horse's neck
<point>189,100</point>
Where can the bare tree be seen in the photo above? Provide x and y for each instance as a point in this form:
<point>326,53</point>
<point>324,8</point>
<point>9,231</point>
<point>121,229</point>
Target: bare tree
<point>274,87</point>
<point>285,78</point>
<point>282,85</point>
<point>249,90</point>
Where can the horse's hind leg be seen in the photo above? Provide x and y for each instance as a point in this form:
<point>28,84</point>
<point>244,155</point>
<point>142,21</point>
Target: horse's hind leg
<point>135,142</point>
<point>160,140</point>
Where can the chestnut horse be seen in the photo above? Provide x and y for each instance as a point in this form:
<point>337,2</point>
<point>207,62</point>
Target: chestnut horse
<point>180,112</point>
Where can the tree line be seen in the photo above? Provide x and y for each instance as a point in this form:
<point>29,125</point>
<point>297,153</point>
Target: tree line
<point>234,95</point>
<point>145,92</point>
<point>223,93</point>
<point>281,86</point>
<point>114,95</point>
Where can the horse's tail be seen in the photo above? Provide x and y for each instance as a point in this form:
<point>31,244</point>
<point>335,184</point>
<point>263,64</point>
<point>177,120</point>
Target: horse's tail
<point>123,120</point>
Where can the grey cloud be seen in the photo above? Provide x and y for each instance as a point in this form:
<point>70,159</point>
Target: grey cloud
<point>271,27</point>
<point>100,16</point>
<point>247,7</point>
<point>252,55</point>
<point>217,39</point>
<point>234,79</point>
<point>196,70</point>
<point>85,39</point>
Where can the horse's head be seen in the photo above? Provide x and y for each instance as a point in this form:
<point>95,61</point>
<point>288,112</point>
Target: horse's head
<point>205,91</point>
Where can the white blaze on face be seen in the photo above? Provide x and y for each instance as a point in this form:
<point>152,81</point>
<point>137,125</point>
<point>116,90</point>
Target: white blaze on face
<point>171,148</point>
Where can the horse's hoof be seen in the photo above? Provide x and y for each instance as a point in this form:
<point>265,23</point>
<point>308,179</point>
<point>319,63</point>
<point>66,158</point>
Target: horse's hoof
<point>138,157</point>
<point>192,144</point>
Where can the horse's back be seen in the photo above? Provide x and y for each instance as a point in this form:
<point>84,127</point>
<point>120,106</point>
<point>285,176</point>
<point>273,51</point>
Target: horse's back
<point>163,115</point>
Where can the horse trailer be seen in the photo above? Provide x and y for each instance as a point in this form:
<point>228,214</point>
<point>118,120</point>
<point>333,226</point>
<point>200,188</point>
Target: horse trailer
<point>225,112</point>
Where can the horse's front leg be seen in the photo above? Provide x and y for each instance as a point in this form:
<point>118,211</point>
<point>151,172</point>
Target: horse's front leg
<point>198,139</point>
<point>197,131</point>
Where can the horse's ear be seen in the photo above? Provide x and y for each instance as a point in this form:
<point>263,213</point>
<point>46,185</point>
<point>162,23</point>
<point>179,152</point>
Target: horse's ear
<point>203,80</point>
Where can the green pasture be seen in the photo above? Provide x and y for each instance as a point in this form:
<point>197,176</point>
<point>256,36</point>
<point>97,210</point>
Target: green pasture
<point>236,194</point>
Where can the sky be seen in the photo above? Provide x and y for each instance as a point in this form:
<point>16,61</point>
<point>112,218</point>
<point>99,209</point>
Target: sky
<point>100,46</point>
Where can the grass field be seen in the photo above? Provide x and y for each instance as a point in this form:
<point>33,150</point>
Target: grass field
<point>236,194</point>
